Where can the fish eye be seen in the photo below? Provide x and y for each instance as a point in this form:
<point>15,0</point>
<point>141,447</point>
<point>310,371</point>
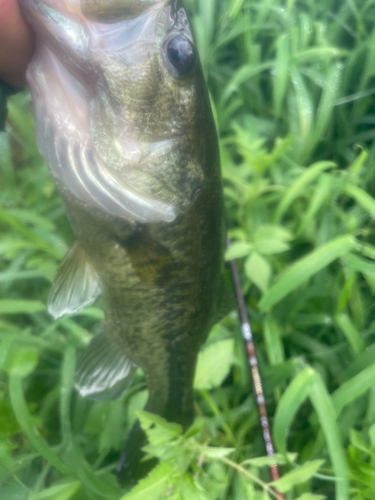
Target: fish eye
<point>181,54</point>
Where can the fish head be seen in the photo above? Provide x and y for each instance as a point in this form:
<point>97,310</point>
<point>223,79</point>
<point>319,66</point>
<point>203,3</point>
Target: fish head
<point>130,101</point>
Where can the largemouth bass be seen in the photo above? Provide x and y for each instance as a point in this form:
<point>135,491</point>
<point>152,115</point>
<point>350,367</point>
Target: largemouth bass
<point>124,121</point>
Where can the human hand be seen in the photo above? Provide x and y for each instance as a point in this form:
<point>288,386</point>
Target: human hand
<point>16,44</point>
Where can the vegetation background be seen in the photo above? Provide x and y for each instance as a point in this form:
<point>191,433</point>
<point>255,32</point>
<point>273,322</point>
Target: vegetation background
<point>292,84</point>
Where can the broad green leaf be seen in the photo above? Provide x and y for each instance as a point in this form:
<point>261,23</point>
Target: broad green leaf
<point>214,364</point>
<point>137,402</point>
<point>158,430</point>
<point>237,250</point>
<point>190,489</point>
<point>306,267</point>
<point>272,239</point>
<point>258,270</point>
<point>298,476</point>
<point>153,485</point>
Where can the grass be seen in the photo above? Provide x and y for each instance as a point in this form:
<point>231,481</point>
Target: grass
<point>292,84</point>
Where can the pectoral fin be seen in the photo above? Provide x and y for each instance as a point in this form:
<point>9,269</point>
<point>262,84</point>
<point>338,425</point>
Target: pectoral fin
<point>103,371</point>
<point>75,285</point>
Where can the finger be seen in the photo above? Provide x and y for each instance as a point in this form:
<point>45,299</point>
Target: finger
<point>16,44</point>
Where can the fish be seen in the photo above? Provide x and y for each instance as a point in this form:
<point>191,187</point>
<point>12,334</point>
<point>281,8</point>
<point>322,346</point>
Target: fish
<point>124,121</point>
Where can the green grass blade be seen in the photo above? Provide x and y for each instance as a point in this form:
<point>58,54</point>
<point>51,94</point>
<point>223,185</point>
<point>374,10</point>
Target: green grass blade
<point>297,476</point>
<point>330,93</point>
<point>295,394</point>
<point>28,233</point>
<point>281,79</point>
<point>66,389</point>
<point>273,341</point>
<point>318,53</point>
<point>309,384</point>
<point>9,306</point>
<point>304,103</point>
<point>306,267</point>
<point>363,199</point>
<point>298,188</point>
<point>25,421</point>
<point>354,388</point>
<point>57,492</point>
<point>322,192</point>
<point>327,417</point>
<point>351,333</point>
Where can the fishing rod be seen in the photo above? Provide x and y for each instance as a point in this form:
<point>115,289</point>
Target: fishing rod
<point>253,364</point>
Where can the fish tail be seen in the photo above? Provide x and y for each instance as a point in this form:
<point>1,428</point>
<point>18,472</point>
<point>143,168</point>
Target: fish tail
<point>131,467</point>
<point>170,397</point>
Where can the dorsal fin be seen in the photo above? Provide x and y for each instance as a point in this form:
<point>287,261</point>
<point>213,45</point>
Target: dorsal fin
<point>75,285</point>
<point>103,371</point>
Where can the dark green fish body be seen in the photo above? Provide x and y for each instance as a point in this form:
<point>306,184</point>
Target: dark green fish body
<point>129,137</point>
<point>161,288</point>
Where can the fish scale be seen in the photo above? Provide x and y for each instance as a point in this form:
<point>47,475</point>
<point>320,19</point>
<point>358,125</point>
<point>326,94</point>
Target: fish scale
<point>150,238</point>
